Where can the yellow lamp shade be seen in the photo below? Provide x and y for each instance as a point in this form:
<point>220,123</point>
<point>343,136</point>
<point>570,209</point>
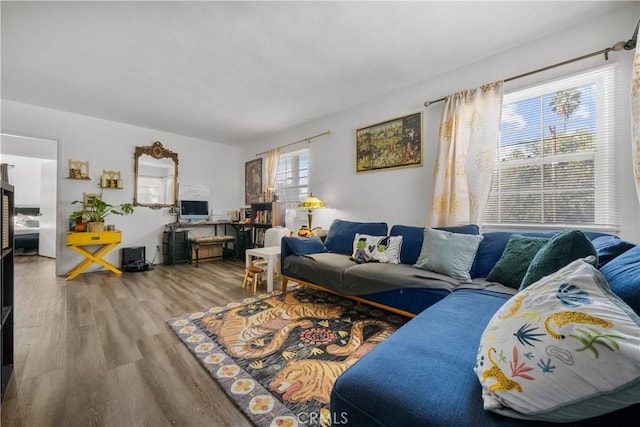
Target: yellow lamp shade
<point>309,204</point>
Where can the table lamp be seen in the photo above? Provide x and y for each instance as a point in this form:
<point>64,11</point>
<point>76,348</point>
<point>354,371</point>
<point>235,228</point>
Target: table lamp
<point>309,204</point>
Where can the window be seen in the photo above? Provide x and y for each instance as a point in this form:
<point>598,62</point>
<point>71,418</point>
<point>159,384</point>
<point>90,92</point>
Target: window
<point>555,165</point>
<point>149,189</point>
<point>153,189</point>
<point>292,178</point>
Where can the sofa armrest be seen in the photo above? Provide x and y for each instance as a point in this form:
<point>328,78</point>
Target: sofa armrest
<point>294,245</point>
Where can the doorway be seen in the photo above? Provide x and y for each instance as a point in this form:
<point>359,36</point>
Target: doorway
<point>33,172</point>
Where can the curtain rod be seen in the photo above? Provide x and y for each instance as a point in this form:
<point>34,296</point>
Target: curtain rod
<point>616,47</point>
<point>308,139</point>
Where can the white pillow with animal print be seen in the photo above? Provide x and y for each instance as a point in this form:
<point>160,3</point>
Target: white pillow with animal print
<point>368,248</point>
<point>562,350</point>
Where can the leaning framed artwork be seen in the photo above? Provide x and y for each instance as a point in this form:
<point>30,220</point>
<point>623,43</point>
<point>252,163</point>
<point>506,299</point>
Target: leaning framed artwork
<point>253,181</point>
<point>394,143</point>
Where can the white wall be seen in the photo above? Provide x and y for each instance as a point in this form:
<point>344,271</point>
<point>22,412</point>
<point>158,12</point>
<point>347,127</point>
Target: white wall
<point>25,176</point>
<point>28,147</point>
<point>48,205</point>
<point>402,196</point>
<point>110,145</point>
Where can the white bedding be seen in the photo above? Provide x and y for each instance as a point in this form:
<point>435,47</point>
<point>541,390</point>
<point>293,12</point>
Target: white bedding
<point>26,224</point>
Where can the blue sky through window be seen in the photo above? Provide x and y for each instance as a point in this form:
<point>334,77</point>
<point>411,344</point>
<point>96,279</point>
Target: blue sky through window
<point>525,123</point>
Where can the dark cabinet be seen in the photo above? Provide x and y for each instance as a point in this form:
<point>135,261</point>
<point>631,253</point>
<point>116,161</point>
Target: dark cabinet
<point>175,245</point>
<point>6,276</point>
<point>242,243</point>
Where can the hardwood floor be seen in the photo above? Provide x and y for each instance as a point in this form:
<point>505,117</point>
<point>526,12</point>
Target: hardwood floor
<point>97,351</point>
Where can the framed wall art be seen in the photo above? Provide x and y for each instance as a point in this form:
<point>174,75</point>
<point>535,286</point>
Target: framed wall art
<point>78,169</point>
<point>395,143</point>
<point>253,181</point>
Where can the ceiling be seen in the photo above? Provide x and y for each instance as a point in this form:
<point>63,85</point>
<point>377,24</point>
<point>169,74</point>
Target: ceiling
<point>232,71</point>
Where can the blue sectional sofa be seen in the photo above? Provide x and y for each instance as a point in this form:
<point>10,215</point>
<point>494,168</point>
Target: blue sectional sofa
<point>424,373</point>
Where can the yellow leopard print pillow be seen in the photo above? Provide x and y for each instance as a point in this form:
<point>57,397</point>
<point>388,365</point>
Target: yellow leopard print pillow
<point>562,350</point>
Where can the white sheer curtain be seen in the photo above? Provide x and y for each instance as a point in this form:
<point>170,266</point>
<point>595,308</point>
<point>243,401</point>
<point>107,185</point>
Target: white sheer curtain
<point>273,158</point>
<point>467,144</point>
<point>635,113</point>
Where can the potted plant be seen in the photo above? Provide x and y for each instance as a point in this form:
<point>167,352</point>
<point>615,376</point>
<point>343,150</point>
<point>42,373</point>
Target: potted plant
<point>95,210</point>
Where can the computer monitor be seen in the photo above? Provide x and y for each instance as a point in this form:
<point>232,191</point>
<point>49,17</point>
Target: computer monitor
<point>194,210</point>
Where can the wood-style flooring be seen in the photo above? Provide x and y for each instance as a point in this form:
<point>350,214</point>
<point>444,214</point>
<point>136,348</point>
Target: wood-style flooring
<point>97,351</point>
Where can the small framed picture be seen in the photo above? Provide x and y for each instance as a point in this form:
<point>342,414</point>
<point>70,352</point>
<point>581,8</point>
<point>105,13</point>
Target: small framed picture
<point>75,173</point>
<point>78,169</point>
<point>253,181</point>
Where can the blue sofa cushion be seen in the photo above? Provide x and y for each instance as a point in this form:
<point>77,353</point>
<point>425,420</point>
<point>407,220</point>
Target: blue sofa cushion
<point>412,238</point>
<point>304,245</point>
<point>411,300</point>
<point>342,233</point>
<point>623,276</point>
<point>423,373</point>
<point>609,247</point>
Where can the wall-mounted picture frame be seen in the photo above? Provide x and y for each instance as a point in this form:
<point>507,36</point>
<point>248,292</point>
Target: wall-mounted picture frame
<point>78,169</point>
<point>395,143</point>
<point>253,181</point>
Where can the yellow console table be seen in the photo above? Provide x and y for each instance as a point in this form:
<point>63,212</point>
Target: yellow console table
<point>107,240</point>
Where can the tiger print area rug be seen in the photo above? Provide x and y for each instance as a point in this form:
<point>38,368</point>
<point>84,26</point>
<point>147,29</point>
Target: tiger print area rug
<point>277,355</point>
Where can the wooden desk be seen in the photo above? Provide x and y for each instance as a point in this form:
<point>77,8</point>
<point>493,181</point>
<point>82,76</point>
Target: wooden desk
<point>239,227</point>
<point>240,243</point>
<point>107,240</point>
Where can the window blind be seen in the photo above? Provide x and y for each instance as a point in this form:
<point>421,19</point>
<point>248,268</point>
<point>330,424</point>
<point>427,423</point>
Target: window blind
<point>556,157</point>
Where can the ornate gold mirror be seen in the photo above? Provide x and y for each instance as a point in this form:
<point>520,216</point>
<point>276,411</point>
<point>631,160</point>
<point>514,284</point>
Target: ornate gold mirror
<point>156,177</point>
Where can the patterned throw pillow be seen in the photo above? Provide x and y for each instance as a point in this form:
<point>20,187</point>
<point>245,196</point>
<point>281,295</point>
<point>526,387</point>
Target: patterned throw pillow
<point>564,349</point>
<point>368,248</point>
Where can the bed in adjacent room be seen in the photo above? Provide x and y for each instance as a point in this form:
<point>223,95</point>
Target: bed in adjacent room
<point>27,230</point>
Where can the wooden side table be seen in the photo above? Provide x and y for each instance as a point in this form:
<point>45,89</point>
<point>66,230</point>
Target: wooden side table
<point>106,240</point>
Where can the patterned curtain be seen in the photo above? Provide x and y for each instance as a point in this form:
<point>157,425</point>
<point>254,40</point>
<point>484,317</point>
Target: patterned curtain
<point>635,113</point>
<point>273,157</point>
<point>468,140</point>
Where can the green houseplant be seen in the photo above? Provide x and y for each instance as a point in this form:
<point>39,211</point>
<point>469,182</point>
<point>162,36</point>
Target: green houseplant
<point>95,210</point>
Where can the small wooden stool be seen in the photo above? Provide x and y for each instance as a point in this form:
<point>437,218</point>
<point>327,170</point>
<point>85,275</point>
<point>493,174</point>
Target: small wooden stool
<point>255,274</point>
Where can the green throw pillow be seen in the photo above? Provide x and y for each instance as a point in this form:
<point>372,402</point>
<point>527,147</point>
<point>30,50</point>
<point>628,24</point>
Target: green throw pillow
<point>448,253</point>
<point>560,250</point>
<point>518,254</point>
